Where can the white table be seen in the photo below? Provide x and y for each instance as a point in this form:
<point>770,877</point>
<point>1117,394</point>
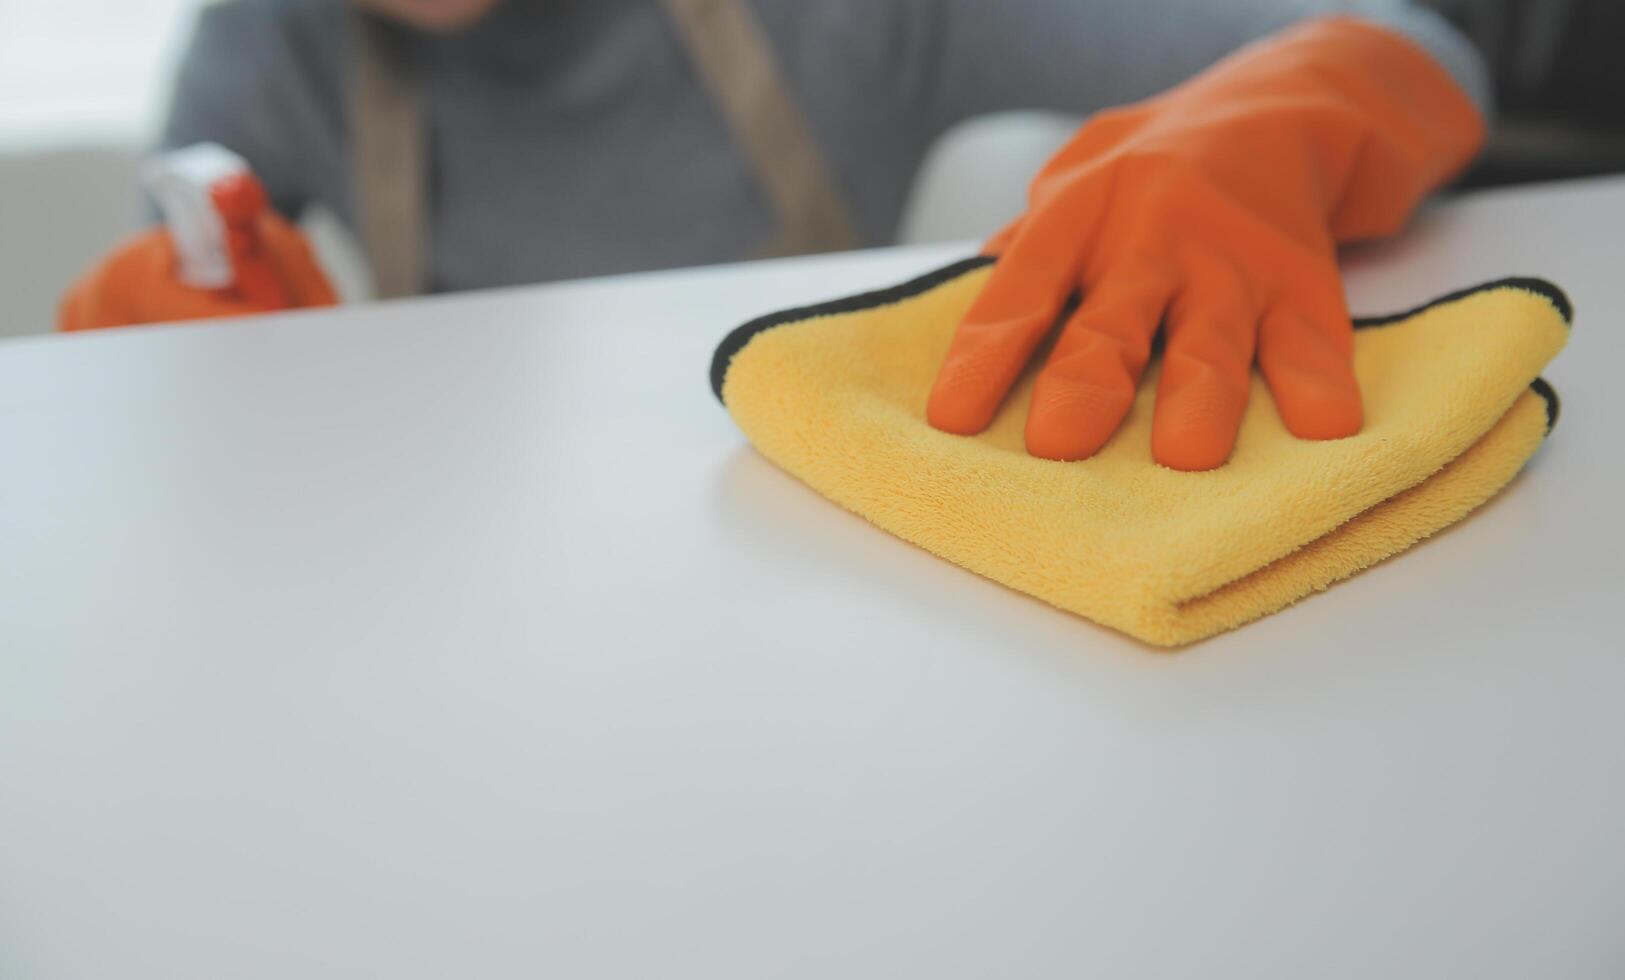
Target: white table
<point>466,637</point>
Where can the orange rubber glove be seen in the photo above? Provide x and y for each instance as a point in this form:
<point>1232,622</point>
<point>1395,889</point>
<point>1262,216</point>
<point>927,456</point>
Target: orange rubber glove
<point>1213,211</point>
<point>272,265</point>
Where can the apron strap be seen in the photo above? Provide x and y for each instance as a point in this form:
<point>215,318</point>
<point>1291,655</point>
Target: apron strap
<point>389,159</point>
<point>737,64</point>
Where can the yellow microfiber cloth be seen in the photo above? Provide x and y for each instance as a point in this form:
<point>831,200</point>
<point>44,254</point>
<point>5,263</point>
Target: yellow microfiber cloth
<point>835,394</point>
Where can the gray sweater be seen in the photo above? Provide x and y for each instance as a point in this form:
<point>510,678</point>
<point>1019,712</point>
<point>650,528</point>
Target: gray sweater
<point>572,137</point>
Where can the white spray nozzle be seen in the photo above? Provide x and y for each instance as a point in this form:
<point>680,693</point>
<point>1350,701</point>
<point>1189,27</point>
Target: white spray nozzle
<point>181,182</point>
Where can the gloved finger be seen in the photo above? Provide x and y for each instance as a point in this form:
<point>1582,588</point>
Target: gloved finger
<point>164,298</point>
<point>80,308</point>
<point>109,294</point>
<point>296,264</point>
<point>1085,390</point>
<point>1016,308</point>
<point>1306,353</point>
<point>1206,370</point>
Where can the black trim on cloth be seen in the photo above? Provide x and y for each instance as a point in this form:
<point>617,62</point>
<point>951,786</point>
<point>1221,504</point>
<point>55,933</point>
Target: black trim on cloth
<point>1546,290</point>
<point>1529,284</point>
<point>741,335</point>
<point>1544,389</point>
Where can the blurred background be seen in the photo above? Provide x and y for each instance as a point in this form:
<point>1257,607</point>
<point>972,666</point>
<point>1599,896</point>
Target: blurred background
<point>83,84</point>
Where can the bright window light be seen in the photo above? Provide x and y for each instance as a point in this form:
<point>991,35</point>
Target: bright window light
<point>77,68</point>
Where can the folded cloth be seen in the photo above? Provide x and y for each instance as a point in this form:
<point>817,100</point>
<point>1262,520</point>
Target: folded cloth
<point>835,394</point>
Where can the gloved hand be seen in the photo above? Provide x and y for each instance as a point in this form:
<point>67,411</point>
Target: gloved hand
<point>1213,210</point>
<point>272,264</point>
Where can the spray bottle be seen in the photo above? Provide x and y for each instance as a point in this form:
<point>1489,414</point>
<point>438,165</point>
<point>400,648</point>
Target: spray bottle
<point>212,203</point>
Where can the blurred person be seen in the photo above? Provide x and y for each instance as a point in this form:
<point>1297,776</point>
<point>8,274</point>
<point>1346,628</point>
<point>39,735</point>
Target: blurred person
<point>476,143</point>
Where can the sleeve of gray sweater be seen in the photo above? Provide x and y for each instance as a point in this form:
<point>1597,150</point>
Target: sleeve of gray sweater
<point>1085,55</point>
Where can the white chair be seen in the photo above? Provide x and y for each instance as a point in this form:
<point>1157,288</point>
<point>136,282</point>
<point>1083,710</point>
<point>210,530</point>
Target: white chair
<point>974,179</point>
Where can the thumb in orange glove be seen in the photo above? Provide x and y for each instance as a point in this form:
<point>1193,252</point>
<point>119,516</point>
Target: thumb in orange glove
<point>1213,212</point>
<point>273,268</point>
